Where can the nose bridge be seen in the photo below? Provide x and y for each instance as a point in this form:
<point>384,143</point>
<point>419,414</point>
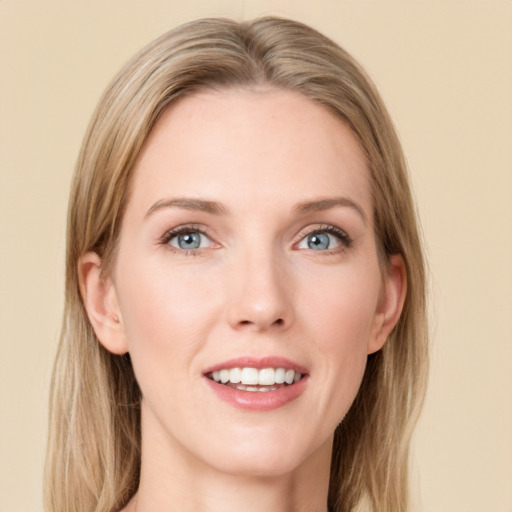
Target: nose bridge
<point>260,294</point>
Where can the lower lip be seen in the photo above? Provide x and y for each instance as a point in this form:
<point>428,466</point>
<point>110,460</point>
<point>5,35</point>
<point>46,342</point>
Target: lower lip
<point>258,400</point>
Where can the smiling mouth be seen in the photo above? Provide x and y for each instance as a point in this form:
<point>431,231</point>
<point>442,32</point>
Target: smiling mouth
<point>254,379</point>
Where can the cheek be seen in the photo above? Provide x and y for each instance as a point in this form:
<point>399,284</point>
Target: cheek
<point>341,308</point>
<point>166,314</point>
<point>341,316</point>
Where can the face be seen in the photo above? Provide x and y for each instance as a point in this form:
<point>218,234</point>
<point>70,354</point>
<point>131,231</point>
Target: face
<point>247,287</point>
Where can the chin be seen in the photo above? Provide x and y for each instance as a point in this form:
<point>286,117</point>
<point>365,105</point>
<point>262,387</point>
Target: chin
<point>269,458</point>
<point>265,467</point>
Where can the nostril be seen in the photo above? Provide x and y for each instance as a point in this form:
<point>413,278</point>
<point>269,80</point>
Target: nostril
<point>278,322</point>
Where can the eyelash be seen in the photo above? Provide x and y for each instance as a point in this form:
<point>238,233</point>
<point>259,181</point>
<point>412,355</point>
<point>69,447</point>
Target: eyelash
<point>342,236</point>
<point>181,230</point>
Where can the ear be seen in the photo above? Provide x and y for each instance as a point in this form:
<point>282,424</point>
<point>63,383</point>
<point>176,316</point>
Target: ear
<point>391,302</point>
<point>100,300</point>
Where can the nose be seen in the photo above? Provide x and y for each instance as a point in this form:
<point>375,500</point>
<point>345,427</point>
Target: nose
<point>260,294</point>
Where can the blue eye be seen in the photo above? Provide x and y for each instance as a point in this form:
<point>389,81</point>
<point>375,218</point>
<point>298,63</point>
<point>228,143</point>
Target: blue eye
<point>189,240</point>
<point>325,239</point>
<point>319,241</point>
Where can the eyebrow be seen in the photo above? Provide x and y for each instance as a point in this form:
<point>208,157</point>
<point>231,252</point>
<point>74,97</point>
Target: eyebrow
<point>328,203</point>
<point>215,208</point>
<point>188,204</point>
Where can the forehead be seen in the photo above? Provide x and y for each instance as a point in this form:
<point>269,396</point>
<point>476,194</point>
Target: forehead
<point>267,145</point>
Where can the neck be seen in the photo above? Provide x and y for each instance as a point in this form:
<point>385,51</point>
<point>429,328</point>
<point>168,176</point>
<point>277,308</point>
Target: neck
<point>226,493</point>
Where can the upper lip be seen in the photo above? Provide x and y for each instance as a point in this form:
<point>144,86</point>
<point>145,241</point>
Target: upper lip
<point>258,363</point>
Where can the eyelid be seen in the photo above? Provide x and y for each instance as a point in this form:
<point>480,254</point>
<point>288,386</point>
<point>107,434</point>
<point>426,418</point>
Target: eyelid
<point>345,241</point>
<point>186,228</point>
<point>341,234</point>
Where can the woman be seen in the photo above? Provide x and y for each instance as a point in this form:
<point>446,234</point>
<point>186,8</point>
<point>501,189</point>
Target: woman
<point>245,300</point>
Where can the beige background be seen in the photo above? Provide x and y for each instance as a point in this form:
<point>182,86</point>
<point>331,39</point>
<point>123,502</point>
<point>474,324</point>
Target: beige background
<point>445,71</point>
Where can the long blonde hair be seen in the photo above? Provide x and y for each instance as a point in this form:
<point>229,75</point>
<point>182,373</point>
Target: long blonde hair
<point>93,458</point>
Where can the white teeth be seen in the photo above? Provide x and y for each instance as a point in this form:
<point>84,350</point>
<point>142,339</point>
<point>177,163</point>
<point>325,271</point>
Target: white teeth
<point>241,387</point>
<point>235,375</point>
<point>247,378</point>
<point>224,376</point>
<point>279,377</point>
<point>289,376</point>
<point>266,377</point>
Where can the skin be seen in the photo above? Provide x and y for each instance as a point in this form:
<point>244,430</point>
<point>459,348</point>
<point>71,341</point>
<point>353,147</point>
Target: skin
<point>255,287</point>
